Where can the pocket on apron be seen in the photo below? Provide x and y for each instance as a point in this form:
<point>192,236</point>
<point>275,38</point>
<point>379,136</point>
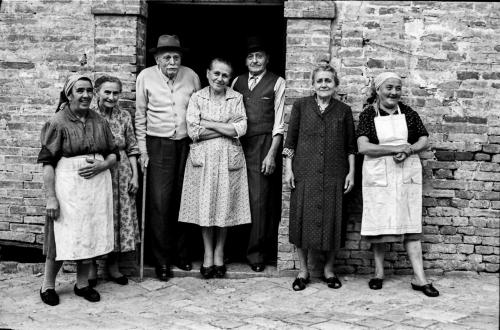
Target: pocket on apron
<point>375,173</point>
<point>412,171</point>
<point>235,157</point>
<point>197,155</point>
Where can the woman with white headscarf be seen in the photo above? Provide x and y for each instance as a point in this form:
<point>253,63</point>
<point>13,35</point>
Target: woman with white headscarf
<point>390,135</point>
<point>77,152</point>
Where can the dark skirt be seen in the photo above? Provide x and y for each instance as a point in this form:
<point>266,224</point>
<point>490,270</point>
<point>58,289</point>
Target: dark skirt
<point>393,238</point>
<point>49,241</point>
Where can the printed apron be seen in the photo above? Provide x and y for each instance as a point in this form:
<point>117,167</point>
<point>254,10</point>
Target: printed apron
<point>84,228</point>
<point>392,192</point>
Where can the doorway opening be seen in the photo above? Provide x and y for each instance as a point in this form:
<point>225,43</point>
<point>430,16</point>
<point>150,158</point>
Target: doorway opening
<point>211,29</point>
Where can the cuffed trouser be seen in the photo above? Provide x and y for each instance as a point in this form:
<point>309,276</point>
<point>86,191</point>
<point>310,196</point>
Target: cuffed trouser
<point>167,160</point>
<point>265,199</point>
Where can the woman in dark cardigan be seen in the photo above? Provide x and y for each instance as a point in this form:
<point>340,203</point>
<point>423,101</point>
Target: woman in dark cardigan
<point>319,151</point>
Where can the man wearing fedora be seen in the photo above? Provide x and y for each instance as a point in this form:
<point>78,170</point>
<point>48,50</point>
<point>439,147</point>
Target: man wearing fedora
<point>162,96</point>
<point>264,99</point>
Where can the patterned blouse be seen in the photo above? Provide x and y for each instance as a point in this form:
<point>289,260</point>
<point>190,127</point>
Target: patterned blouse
<point>64,135</point>
<point>120,124</point>
<point>366,126</point>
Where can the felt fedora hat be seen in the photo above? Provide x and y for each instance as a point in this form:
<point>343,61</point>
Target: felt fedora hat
<point>168,42</point>
<point>255,44</point>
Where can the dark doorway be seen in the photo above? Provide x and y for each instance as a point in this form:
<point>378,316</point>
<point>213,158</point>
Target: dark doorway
<point>219,30</point>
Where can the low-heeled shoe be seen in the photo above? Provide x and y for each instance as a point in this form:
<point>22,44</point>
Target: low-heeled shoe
<point>207,272</point>
<point>220,271</point>
<point>299,283</point>
<point>163,273</point>
<point>50,297</point>
<point>332,282</point>
<point>258,267</point>
<point>122,280</point>
<point>376,283</point>
<point>429,290</point>
<point>88,293</point>
<point>184,265</point>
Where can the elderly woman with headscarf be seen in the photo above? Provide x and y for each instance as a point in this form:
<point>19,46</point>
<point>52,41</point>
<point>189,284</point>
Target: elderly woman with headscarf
<point>77,152</point>
<point>390,135</point>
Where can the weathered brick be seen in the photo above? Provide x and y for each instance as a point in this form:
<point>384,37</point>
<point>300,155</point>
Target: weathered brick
<point>479,249</point>
<point>465,248</point>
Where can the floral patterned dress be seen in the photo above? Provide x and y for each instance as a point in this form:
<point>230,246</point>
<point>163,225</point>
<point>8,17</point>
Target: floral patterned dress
<point>126,226</point>
<point>215,189</point>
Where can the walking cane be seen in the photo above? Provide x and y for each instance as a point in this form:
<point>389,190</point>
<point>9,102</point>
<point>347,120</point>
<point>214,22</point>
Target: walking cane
<point>143,220</point>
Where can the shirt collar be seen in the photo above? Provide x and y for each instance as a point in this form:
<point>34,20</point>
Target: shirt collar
<point>258,77</point>
<point>72,116</point>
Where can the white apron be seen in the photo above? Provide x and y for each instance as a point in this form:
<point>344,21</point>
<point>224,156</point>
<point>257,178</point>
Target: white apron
<point>84,228</point>
<point>392,192</point>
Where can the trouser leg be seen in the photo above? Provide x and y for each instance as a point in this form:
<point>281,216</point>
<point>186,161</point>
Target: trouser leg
<point>160,185</point>
<point>183,231</point>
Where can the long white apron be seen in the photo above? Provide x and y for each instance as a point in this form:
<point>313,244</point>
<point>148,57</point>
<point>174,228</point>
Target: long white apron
<point>392,192</point>
<point>84,228</point>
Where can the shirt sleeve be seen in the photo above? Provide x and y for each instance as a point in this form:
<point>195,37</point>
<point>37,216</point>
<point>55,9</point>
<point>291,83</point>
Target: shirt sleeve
<point>417,128</point>
<point>366,126</point>
<point>131,147</point>
<point>141,103</point>
<point>197,83</point>
<point>279,106</point>
<point>193,118</point>
<point>293,130</point>
<point>51,140</point>
<point>350,136</point>
<point>234,82</point>
<point>241,125</point>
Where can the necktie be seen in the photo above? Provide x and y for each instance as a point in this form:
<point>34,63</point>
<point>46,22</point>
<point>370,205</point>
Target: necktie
<point>253,82</point>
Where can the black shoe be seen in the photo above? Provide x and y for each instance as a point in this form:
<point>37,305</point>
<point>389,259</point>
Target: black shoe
<point>92,282</point>
<point>300,283</point>
<point>220,271</point>
<point>184,265</point>
<point>428,289</point>
<point>333,282</point>
<point>122,280</point>
<point>376,283</point>
<point>258,267</point>
<point>50,297</point>
<point>163,273</point>
<point>207,272</point>
<point>88,293</point>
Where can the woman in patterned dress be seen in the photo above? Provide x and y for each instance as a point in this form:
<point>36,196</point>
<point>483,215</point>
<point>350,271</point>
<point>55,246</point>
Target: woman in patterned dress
<point>215,190</point>
<point>319,151</point>
<point>124,176</point>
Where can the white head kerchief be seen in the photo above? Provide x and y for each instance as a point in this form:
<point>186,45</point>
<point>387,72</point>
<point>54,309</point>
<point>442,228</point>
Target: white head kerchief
<point>379,80</point>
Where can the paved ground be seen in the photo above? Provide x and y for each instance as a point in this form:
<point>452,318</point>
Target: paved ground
<point>467,301</point>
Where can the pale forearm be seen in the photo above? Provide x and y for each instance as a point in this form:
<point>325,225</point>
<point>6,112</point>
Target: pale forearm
<point>49,180</point>
<point>110,161</point>
<point>133,165</point>
<point>288,164</point>
<point>275,145</point>
<point>226,129</point>
<point>207,134</point>
<point>420,145</point>
<point>375,150</point>
<point>351,160</point>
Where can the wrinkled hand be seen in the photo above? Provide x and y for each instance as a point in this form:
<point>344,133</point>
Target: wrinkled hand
<point>268,165</point>
<point>52,208</point>
<point>133,185</point>
<point>95,167</point>
<point>349,183</point>
<point>289,179</point>
<point>144,161</point>
<point>399,157</point>
<point>403,148</point>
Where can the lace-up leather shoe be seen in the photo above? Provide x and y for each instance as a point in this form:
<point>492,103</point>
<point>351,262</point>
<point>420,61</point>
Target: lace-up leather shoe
<point>49,297</point>
<point>88,293</point>
<point>428,289</point>
<point>163,273</point>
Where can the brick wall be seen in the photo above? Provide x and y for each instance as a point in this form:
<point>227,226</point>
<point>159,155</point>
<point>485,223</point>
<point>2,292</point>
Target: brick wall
<point>42,42</point>
<point>448,54</point>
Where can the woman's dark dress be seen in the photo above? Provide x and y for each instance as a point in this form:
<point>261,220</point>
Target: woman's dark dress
<point>322,143</point>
